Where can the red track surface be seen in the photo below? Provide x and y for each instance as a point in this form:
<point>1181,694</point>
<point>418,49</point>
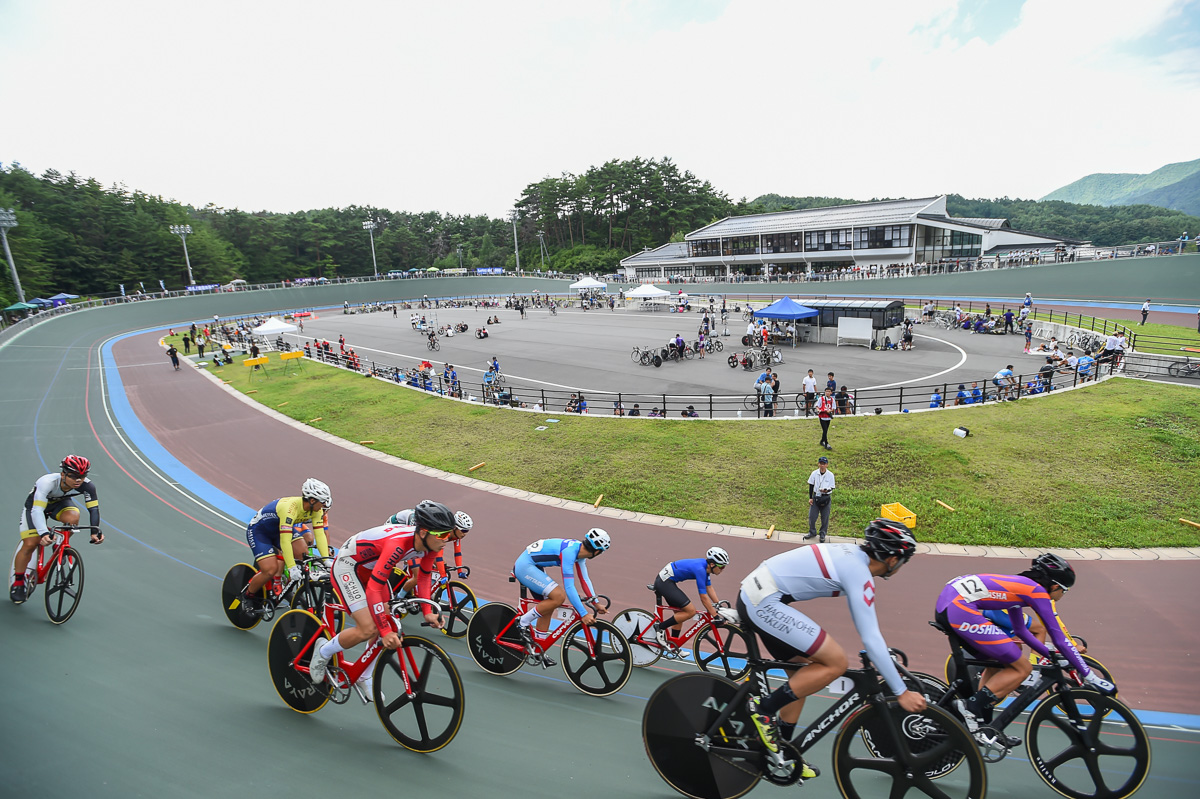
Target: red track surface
<point>1135,615</point>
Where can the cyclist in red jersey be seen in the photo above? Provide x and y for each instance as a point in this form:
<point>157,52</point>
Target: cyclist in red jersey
<point>360,576</point>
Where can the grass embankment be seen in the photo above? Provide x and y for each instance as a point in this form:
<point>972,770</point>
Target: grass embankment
<point>1115,465</point>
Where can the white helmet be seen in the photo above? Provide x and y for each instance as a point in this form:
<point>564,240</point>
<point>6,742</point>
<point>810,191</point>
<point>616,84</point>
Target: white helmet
<point>462,521</point>
<point>597,539</point>
<point>717,556</point>
<point>315,489</point>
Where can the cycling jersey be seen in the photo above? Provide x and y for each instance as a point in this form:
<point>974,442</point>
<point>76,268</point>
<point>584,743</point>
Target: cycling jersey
<point>809,572</point>
<point>964,599</point>
<point>405,517</point>
<point>530,569</point>
<point>271,528</point>
<point>689,569</point>
<point>1001,375</point>
<point>367,559</point>
<point>49,497</point>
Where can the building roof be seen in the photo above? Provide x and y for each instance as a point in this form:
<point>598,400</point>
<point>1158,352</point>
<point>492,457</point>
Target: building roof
<point>671,251</point>
<point>980,221</point>
<point>886,212</point>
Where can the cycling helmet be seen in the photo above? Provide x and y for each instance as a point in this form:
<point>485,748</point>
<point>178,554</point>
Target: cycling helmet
<point>1054,569</point>
<point>597,539</point>
<point>717,556</point>
<point>76,464</point>
<point>885,539</point>
<point>462,521</point>
<point>315,489</point>
<point>433,516</point>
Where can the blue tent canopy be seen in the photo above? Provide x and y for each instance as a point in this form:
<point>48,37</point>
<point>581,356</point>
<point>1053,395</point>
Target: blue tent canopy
<point>65,296</point>
<point>785,308</point>
<point>38,301</point>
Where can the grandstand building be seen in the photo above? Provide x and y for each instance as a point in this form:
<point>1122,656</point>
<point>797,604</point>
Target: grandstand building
<point>874,235</point>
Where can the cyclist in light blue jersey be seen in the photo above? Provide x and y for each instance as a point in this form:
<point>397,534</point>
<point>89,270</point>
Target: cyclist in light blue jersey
<point>571,556</point>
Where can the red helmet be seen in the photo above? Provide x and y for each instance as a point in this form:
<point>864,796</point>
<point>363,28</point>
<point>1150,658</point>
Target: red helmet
<point>77,464</point>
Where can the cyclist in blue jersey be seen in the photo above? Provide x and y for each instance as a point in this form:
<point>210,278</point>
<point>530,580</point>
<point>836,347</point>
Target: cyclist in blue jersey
<point>1004,381</point>
<point>666,585</point>
<point>1085,366</point>
<point>570,555</point>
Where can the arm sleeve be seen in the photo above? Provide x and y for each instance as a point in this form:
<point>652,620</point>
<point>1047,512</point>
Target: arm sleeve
<point>37,509</point>
<point>92,502</point>
<point>458,553</point>
<point>286,511</point>
<point>868,629</point>
<point>425,569</point>
<point>320,526</point>
<point>1044,608</point>
<point>569,554</point>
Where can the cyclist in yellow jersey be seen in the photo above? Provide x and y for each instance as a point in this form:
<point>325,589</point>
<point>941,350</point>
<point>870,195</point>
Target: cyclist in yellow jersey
<point>271,531</point>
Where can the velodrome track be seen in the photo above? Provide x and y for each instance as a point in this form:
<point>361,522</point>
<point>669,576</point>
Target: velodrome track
<point>149,690</point>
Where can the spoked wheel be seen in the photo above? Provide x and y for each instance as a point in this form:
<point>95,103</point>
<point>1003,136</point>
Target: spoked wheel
<point>459,604</point>
<point>732,361</point>
<point>916,747</point>
<point>231,592</point>
<point>722,649</point>
<point>751,402</point>
<point>689,353</point>
<point>486,650</point>
<point>1086,745</point>
<point>645,358</point>
<point>600,666</point>
<point>312,597</point>
<point>291,644</point>
<point>637,626</point>
<point>64,586</point>
<point>684,707</point>
<point>427,717</point>
<point>635,356</point>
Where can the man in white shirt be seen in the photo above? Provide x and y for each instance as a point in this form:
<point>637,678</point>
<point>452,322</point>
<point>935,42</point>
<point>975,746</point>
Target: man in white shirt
<point>1145,310</point>
<point>820,490</point>
<point>810,392</point>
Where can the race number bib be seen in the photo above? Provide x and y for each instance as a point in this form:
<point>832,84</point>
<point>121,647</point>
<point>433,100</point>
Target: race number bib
<point>970,588</point>
<point>535,547</point>
<point>667,573</point>
<point>759,584</point>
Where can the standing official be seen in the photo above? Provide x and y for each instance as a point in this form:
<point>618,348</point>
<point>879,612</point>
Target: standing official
<point>820,490</point>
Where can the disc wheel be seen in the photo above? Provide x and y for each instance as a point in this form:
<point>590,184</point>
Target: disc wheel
<point>657,361</point>
<point>1086,745</point>
<point>428,717</point>
<point>637,626</point>
<point>596,660</point>
<point>723,650</point>
<point>679,710</point>
<point>732,361</point>
<point>64,586</point>
<point>485,647</point>
<point>917,748</point>
<point>291,644</point>
<point>716,344</point>
<point>231,593</point>
<point>459,604</point>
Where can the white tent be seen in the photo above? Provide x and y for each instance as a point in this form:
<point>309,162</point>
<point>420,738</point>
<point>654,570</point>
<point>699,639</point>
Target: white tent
<point>588,283</point>
<point>273,327</point>
<point>646,292</point>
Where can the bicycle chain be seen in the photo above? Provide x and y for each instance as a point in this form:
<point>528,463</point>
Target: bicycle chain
<point>764,773</point>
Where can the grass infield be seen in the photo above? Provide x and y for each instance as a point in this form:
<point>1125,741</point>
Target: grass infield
<point>1115,465</point>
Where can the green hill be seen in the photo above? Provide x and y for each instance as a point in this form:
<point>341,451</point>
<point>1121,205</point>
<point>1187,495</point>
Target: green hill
<point>1129,189</point>
<point>1181,196</point>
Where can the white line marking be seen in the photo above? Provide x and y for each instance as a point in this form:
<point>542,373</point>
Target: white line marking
<point>961,361</point>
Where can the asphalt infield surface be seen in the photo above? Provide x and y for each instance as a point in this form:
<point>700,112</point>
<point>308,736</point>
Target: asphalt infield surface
<point>149,691</point>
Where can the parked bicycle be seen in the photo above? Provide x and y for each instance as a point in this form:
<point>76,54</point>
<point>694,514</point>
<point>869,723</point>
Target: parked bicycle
<point>1184,368</point>
<point>753,402</point>
<point>61,571</point>
<point>717,647</point>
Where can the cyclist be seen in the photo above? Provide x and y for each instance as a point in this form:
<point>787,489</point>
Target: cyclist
<point>1004,381</point>
<point>960,608</point>
<point>821,570</point>
<point>666,584</point>
<point>275,529</point>
<point>462,523</point>
<point>570,555</point>
<point>53,497</point>
<point>360,574</point>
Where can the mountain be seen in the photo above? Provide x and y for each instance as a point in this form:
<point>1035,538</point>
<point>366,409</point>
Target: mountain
<point>1160,187</point>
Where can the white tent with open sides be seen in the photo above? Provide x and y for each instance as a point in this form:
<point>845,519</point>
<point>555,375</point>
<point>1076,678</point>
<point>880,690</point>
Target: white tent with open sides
<point>588,283</point>
<point>273,327</point>
<point>646,292</point>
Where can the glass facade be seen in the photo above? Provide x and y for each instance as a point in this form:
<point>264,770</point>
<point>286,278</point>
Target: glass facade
<point>882,237</point>
<point>704,248</point>
<point>937,244</point>
<point>824,240</point>
<point>783,242</point>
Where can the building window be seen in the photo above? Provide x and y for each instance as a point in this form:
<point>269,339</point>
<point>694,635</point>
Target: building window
<point>826,240</point>
<point>704,248</point>
<point>938,244</point>
<point>882,237</point>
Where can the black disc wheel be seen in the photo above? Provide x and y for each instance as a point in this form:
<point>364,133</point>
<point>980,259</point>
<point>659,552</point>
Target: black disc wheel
<point>1086,745</point>
<point>291,644</point>
<point>231,596</point>
<point>717,345</point>
<point>637,626</point>
<point>658,361</point>
<point>458,604</point>
<point>723,650</point>
<point>64,586</point>
<point>597,659</point>
<point>418,695</point>
<point>493,652</point>
<point>683,708</point>
<point>874,756</point>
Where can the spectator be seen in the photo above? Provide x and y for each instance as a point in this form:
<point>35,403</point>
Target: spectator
<point>618,408</point>
<point>1028,336</point>
<point>689,413</point>
<point>1145,310</point>
<point>173,354</point>
<point>820,495</point>
<point>654,414</point>
<point>843,399</point>
<point>1008,320</point>
<point>1028,301</point>
<point>637,410</point>
<point>1046,375</point>
<point>767,391</point>
<point>187,345</point>
<point>825,410</point>
<point>1004,381</point>
<point>810,392</point>
<point>831,384</point>
<point>935,399</point>
<point>976,394</point>
<point>1086,364</point>
<point>1120,353</point>
<point>962,397</point>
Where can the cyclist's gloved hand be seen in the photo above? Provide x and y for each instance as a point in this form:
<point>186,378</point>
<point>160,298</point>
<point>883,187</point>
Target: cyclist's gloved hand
<point>294,573</point>
<point>1063,663</point>
<point>1100,684</point>
<point>729,615</point>
<point>47,539</point>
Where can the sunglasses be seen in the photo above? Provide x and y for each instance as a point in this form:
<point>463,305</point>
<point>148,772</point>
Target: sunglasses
<point>1062,587</point>
<point>443,534</point>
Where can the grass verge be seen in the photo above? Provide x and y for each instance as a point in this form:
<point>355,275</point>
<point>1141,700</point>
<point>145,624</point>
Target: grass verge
<point>1115,465</point>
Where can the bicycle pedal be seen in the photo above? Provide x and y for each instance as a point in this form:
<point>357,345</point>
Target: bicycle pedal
<point>548,662</point>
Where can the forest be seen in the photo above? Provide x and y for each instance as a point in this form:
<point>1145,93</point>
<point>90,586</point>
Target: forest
<point>75,235</point>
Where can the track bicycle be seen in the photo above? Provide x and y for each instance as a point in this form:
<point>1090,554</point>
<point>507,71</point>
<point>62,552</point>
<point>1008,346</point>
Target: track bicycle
<point>416,689</point>
<point>553,309</point>
<point>61,571</point>
<point>596,658</point>
<point>700,739</point>
<point>310,592</point>
<point>434,344</point>
<point>1184,368</point>
<point>1067,744</point>
<point>975,671</point>
<point>717,646</point>
<point>753,402</point>
<point>455,599</point>
<point>636,355</point>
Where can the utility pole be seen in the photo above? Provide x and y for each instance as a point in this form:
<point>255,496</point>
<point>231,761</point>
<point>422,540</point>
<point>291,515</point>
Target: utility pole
<point>8,219</point>
<point>513,218</point>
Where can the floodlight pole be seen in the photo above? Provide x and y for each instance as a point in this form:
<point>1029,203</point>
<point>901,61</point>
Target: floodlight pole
<point>513,217</point>
<point>541,234</point>
<point>459,249</point>
<point>182,231</point>
<point>369,226</point>
<point>8,219</point>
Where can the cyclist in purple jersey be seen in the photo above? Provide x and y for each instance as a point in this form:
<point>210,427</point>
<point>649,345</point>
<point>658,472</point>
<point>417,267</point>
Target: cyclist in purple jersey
<point>699,569</point>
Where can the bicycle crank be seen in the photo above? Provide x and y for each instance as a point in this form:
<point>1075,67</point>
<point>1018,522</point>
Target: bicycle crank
<point>988,739</point>
<point>785,767</point>
<point>338,684</point>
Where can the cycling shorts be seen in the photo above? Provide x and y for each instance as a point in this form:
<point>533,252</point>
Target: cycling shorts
<point>671,593</point>
<point>532,577</point>
<point>996,382</point>
<point>261,545</point>
<point>785,631</point>
<point>53,511</point>
<point>979,634</point>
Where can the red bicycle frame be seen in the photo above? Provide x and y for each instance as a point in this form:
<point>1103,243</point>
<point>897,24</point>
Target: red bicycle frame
<point>544,643</point>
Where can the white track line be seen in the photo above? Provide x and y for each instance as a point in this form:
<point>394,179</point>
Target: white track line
<point>961,361</point>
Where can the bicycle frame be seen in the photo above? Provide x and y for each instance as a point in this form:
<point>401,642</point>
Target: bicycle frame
<point>44,564</point>
<point>701,618</point>
<point>551,638</point>
<point>1049,675</point>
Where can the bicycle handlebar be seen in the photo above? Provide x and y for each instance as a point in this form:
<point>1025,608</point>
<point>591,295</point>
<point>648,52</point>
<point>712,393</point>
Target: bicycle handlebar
<point>593,600</point>
<point>62,528</point>
<point>413,605</point>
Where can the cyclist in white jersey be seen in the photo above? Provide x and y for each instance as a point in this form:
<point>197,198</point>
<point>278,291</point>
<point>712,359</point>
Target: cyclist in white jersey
<point>821,570</point>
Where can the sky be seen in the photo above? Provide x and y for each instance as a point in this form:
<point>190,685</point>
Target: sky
<point>457,106</point>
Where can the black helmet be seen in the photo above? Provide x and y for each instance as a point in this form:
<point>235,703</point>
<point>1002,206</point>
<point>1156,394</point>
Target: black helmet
<point>1054,569</point>
<point>433,516</point>
<point>885,539</point>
